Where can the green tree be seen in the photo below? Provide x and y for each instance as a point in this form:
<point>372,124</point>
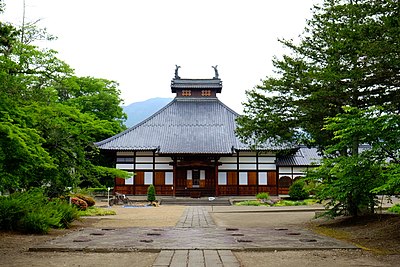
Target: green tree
<point>151,193</point>
<point>46,139</point>
<point>99,97</point>
<point>351,182</point>
<point>349,54</point>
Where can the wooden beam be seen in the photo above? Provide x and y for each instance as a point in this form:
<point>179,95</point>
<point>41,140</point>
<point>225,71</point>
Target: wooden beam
<point>174,177</point>
<point>216,177</point>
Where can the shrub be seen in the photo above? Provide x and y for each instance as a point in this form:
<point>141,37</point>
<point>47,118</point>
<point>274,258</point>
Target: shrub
<point>151,193</point>
<point>89,200</point>
<point>11,211</point>
<point>67,213</point>
<point>395,209</point>
<point>32,212</point>
<point>36,222</point>
<point>79,203</point>
<point>262,195</point>
<point>297,190</point>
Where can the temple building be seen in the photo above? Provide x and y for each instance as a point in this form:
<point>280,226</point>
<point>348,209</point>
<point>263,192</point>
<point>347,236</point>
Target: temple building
<point>189,148</point>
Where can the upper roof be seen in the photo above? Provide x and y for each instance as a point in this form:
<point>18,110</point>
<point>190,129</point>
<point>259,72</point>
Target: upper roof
<point>196,84</point>
<point>184,126</point>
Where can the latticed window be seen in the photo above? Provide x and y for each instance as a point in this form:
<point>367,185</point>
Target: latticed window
<point>205,92</point>
<point>186,92</point>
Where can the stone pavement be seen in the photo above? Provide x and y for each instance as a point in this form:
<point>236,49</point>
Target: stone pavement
<point>196,258</point>
<point>196,217</point>
<point>194,241</point>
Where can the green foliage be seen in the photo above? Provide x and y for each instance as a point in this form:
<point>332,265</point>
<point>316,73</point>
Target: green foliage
<point>348,167</point>
<point>290,203</point>
<point>33,212</point>
<point>348,55</point>
<point>249,203</point>
<point>37,222</point>
<point>151,193</point>
<point>97,189</point>
<point>297,191</point>
<point>96,211</point>
<point>347,184</point>
<point>66,212</point>
<point>337,89</point>
<point>50,119</point>
<point>277,204</point>
<point>262,195</point>
<point>395,209</point>
<point>11,211</point>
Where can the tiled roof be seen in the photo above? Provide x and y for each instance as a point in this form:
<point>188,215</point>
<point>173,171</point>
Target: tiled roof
<point>304,156</point>
<point>184,126</point>
<point>196,84</point>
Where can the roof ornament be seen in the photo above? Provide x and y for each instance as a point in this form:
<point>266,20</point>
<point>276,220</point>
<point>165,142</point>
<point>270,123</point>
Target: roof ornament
<point>176,72</point>
<point>216,71</point>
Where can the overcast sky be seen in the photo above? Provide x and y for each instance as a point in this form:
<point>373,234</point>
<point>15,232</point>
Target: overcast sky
<point>138,43</point>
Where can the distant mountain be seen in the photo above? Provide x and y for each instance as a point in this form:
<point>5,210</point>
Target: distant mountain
<point>138,111</point>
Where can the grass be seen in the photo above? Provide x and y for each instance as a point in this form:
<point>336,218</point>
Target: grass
<point>280,203</point>
<point>250,203</point>
<point>96,211</point>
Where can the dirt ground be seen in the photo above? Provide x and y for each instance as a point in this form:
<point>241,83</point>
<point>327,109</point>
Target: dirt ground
<point>378,238</point>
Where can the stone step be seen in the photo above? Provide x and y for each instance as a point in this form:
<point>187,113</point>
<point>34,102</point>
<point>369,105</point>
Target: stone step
<point>195,202</point>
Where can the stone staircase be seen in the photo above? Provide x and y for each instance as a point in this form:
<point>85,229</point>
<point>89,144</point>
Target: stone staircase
<point>185,201</point>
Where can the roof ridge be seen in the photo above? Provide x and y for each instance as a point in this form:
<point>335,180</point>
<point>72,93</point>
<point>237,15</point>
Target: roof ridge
<point>228,108</point>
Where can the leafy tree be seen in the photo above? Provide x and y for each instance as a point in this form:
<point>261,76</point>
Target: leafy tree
<point>352,181</point>
<point>348,55</point>
<point>99,97</point>
<point>45,137</point>
<point>23,161</point>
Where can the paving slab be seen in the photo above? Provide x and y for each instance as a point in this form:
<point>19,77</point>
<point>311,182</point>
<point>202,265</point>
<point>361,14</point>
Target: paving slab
<point>195,216</point>
<point>196,258</point>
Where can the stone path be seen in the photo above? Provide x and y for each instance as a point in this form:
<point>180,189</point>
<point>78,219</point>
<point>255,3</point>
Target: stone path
<point>196,217</point>
<point>196,258</point>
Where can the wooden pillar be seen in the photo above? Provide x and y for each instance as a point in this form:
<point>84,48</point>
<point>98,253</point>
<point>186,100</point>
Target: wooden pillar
<point>154,165</point>
<point>277,180</point>
<point>237,172</point>
<point>174,177</point>
<point>134,173</point>
<point>216,176</point>
<point>257,170</point>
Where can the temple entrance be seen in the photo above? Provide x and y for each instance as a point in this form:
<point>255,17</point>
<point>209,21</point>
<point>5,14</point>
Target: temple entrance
<point>195,178</point>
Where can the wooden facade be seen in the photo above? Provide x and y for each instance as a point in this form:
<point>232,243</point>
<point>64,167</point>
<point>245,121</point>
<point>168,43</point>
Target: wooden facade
<point>240,174</point>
